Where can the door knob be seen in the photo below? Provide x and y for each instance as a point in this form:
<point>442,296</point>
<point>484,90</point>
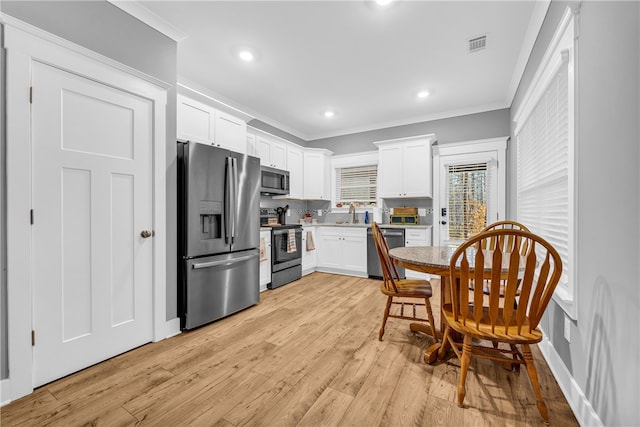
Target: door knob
<point>146,234</point>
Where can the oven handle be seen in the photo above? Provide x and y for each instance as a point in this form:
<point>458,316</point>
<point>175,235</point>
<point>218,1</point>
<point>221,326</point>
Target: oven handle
<point>285,231</point>
<point>223,262</point>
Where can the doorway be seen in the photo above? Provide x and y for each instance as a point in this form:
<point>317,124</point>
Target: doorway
<point>469,189</point>
<point>74,199</point>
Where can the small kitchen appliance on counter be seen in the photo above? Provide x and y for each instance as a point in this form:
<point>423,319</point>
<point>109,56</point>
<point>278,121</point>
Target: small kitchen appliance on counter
<point>404,216</point>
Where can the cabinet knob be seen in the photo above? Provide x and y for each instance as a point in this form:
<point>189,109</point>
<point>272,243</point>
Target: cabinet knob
<point>443,222</point>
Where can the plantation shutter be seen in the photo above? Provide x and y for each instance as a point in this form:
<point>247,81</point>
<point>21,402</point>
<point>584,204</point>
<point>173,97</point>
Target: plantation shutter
<point>543,160</point>
<point>356,185</point>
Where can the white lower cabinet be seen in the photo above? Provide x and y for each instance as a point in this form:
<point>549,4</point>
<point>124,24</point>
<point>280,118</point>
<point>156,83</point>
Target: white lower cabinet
<point>416,237</point>
<point>265,264</point>
<point>309,257</point>
<point>342,250</point>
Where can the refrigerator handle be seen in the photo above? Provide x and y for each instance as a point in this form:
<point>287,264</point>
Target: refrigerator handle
<point>228,200</point>
<point>235,206</point>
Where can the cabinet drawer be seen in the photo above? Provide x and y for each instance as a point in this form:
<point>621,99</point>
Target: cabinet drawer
<point>415,234</point>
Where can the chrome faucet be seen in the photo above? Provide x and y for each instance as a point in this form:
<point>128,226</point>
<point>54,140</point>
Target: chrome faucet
<point>352,211</point>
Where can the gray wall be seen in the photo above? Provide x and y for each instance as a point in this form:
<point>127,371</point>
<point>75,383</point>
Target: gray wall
<point>603,353</point>
<point>490,124</point>
<point>103,28</point>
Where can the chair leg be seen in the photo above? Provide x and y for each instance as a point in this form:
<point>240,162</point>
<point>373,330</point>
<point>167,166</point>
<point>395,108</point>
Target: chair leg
<point>464,367</point>
<point>386,316</point>
<point>515,366</point>
<point>432,323</point>
<point>442,351</point>
<point>533,376</point>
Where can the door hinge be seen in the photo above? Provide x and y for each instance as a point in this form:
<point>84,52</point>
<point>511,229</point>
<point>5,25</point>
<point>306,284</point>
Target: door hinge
<point>31,216</point>
<point>33,338</point>
<point>30,94</point>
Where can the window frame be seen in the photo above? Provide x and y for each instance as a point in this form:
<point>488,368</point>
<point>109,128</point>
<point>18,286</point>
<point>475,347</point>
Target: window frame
<point>563,47</point>
<point>367,158</point>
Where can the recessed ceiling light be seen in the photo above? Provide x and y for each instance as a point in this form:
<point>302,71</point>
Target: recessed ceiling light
<point>423,94</point>
<point>246,55</point>
<point>383,2</point>
<point>329,114</point>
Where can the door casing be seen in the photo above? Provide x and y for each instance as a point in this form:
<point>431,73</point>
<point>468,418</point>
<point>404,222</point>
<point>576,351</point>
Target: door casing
<point>498,148</point>
<point>26,44</point>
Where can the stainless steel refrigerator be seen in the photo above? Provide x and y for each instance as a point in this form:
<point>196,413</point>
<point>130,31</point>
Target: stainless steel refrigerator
<point>218,233</point>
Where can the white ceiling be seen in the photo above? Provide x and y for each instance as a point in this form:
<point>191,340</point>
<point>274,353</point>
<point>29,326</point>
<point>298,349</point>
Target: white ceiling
<point>363,62</point>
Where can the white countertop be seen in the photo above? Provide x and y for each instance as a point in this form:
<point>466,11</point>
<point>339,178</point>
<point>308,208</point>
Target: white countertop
<point>330,224</point>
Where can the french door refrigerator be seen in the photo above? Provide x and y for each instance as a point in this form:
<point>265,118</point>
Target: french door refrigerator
<point>218,233</point>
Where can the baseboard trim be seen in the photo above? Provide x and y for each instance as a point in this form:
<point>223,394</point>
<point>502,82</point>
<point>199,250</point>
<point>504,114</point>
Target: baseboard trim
<point>5,392</point>
<point>580,405</point>
<point>171,328</point>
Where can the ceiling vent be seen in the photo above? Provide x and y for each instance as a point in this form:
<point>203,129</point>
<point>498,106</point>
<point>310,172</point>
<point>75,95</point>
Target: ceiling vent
<point>477,43</point>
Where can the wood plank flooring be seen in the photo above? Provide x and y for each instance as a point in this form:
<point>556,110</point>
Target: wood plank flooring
<point>307,355</point>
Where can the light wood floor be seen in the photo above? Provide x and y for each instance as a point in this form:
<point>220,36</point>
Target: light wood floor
<point>307,355</point>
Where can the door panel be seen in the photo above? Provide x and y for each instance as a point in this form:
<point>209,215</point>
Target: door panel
<point>247,230</point>
<point>220,285</point>
<point>92,196</point>
<point>206,215</point>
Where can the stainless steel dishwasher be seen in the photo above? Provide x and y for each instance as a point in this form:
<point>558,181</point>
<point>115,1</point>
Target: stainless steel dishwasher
<point>394,238</point>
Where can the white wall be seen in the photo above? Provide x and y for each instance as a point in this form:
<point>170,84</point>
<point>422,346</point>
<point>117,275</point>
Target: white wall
<point>603,353</point>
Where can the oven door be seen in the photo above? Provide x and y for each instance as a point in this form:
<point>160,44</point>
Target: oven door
<point>286,248</point>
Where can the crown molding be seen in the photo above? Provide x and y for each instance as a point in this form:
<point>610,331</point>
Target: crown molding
<point>143,14</point>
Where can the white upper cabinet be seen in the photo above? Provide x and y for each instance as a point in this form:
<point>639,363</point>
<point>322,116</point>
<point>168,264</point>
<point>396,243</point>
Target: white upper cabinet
<point>272,153</point>
<point>251,145</point>
<point>295,159</point>
<point>230,132</point>
<point>202,123</point>
<point>196,121</point>
<point>405,167</point>
<point>317,174</point>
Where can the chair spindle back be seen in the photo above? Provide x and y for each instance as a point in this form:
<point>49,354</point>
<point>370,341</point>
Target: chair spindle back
<point>535,272</point>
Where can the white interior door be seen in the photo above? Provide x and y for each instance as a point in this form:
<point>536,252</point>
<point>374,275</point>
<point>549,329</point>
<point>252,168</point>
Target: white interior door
<point>92,197</point>
<point>470,195</point>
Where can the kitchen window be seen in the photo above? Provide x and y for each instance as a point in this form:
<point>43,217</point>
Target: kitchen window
<point>357,185</point>
<point>545,145</point>
<point>354,180</point>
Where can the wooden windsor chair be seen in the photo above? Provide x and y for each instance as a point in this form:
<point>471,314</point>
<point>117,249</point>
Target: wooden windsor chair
<point>407,289</point>
<point>476,316</point>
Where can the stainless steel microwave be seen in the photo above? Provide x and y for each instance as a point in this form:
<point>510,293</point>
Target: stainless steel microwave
<point>274,181</point>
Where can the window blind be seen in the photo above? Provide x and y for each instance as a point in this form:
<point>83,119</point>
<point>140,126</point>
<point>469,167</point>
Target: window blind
<point>467,204</point>
<point>357,185</point>
<point>543,168</point>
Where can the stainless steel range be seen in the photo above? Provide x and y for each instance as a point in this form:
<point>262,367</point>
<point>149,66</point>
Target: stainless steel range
<point>286,248</point>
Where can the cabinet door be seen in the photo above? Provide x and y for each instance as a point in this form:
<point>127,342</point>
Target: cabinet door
<point>251,145</point>
<point>309,258</point>
<point>330,251</point>
<point>278,155</point>
<point>295,160</point>
<point>354,254</point>
<point>265,265</point>
<point>416,169</point>
<point>391,171</point>
<point>230,132</point>
<point>263,150</point>
<point>196,121</point>
<point>316,176</point>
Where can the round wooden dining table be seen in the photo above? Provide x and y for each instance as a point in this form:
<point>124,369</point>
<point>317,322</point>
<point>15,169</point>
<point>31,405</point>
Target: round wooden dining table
<point>432,260</point>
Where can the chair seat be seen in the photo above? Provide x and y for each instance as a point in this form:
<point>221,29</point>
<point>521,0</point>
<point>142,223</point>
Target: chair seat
<point>483,331</point>
<point>410,288</point>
